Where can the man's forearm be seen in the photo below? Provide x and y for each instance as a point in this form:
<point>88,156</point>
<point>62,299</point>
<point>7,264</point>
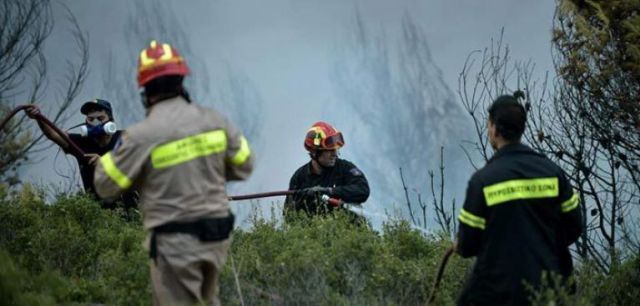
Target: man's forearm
<point>53,135</point>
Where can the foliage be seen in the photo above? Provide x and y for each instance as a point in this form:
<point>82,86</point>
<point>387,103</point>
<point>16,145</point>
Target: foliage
<point>96,256</point>
<point>620,287</point>
<point>19,287</point>
<point>598,59</point>
<point>72,252</point>
<point>331,261</point>
<point>98,253</point>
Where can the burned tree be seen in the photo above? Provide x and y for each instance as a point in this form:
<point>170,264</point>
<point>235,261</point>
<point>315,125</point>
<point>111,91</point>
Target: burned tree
<point>25,27</point>
<point>403,108</point>
<point>556,128</point>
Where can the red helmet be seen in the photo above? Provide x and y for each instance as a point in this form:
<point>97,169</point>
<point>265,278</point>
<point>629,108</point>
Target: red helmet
<point>322,136</point>
<point>159,60</point>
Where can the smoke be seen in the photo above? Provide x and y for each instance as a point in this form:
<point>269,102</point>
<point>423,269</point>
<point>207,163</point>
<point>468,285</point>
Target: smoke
<point>286,52</point>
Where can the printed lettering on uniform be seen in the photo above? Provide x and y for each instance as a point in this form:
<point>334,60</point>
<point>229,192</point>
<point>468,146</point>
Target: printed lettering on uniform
<point>521,189</point>
<point>355,172</point>
<point>188,148</point>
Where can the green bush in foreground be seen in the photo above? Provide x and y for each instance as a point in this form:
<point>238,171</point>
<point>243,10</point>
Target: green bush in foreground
<point>329,260</point>
<point>74,253</point>
<point>98,253</point>
<point>21,288</point>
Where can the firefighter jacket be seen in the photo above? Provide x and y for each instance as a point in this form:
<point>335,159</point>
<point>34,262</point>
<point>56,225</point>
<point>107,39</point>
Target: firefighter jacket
<point>519,217</point>
<point>348,182</point>
<point>179,159</point>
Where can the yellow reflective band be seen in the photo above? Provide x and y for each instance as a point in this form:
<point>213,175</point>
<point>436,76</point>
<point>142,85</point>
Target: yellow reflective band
<point>243,153</point>
<point>113,172</point>
<point>571,203</point>
<point>521,190</point>
<point>189,148</point>
<point>471,219</point>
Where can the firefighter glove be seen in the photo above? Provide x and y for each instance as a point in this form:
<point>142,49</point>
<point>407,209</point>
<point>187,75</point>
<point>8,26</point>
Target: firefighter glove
<point>316,190</point>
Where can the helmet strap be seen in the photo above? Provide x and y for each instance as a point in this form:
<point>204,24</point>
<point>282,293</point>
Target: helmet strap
<point>315,154</point>
<point>184,93</point>
<point>144,99</point>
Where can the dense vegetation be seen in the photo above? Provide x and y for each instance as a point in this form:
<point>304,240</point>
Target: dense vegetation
<point>72,252</point>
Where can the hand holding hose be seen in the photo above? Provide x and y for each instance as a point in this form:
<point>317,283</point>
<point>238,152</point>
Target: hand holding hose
<point>33,111</point>
<point>316,190</point>
<point>92,158</point>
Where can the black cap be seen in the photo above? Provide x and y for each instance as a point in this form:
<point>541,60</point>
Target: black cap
<point>97,104</point>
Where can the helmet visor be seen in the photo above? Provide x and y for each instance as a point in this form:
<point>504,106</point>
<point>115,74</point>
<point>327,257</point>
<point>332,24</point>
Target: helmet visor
<point>334,142</point>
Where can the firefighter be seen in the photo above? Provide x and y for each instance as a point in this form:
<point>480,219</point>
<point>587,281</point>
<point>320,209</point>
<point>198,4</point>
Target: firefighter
<point>98,136</point>
<point>519,216</point>
<point>324,174</point>
<point>179,157</point>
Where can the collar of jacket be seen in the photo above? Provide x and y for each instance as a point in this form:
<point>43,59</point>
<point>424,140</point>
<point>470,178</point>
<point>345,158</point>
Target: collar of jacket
<point>168,104</point>
<point>324,171</point>
<point>510,149</point>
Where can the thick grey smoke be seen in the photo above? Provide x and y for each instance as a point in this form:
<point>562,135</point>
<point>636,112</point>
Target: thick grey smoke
<point>283,55</point>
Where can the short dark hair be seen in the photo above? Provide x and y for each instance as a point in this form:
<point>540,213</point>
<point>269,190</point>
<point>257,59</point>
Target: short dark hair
<point>165,85</point>
<point>97,105</point>
<point>509,116</point>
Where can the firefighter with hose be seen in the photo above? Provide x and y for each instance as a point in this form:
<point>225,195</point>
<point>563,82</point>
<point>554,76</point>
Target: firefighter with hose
<point>519,216</point>
<point>98,135</point>
<point>325,175</point>
<point>179,158</point>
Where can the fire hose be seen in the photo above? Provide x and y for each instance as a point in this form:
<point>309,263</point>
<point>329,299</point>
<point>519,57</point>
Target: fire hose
<point>331,201</point>
<point>76,151</point>
<point>436,284</point>
<point>73,147</point>
<point>261,195</point>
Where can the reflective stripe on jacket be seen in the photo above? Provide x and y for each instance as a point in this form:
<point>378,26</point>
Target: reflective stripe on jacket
<point>519,216</point>
<point>179,158</point>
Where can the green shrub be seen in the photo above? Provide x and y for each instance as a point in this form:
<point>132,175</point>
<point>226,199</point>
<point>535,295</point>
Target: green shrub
<point>620,287</point>
<point>331,261</point>
<point>96,250</point>
<point>19,287</point>
<point>73,252</point>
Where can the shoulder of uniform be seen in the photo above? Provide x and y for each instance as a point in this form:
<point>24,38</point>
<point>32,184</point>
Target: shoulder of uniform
<point>345,163</point>
<point>544,160</point>
<point>347,166</point>
<point>301,171</point>
<point>555,166</point>
<point>477,176</point>
<point>486,174</point>
<point>208,110</point>
<point>140,132</point>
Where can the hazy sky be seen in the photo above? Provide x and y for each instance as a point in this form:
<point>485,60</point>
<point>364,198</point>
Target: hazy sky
<point>288,47</point>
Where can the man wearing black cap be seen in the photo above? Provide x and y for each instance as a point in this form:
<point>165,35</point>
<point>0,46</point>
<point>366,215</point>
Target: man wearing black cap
<point>519,216</point>
<point>99,136</point>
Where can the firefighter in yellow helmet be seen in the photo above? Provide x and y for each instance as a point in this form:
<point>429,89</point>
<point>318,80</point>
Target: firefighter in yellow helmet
<point>179,158</point>
<point>325,175</point>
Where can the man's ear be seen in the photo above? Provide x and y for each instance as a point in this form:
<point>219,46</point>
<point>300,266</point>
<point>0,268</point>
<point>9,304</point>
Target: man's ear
<point>492,129</point>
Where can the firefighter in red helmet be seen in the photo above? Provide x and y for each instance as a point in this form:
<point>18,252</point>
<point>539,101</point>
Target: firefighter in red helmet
<point>179,158</point>
<point>325,174</point>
